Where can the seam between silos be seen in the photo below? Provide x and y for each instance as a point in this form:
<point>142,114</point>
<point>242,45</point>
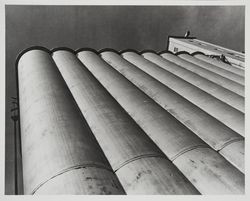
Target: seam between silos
<point>67,170</point>
<point>189,149</point>
<point>230,142</point>
<point>140,157</point>
<point>205,146</point>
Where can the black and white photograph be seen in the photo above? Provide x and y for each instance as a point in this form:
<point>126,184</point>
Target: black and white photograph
<point>122,99</point>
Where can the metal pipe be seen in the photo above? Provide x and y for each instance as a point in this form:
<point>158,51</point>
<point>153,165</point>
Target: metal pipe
<point>228,115</point>
<point>236,70</point>
<point>215,90</point>
<point>218,79</point>
<point>60,154</point>
<point>139,164</point>
<point>209,129</point>
<point>17,149</point>
<point>14,117</point>
<point>163,129</point>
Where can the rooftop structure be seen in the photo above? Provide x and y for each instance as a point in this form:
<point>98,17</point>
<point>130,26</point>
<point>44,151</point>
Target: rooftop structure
<point>193,45</point>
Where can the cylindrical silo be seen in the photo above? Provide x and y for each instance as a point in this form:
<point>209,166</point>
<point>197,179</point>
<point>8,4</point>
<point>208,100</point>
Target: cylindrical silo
<point>171,136</point>
<point>162,128</point>
<point>140,165</point>
<point>215,90</point>
<point>235,152</point>
<point>212,131</point>
<point>205,161</point>
<point>228,115</point>
<point>60,154</point>
<point>210,67</point>
<point>218,79</point>
<point>238,71</point>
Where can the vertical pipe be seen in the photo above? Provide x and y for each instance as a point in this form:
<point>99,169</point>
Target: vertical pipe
<point>19,163</point>
<point>215,90</point>
<point>18,157</point>
<point>173,138</point>
<point>60,154</point>
<point>9,160</point>
<point>14,117</point>
<point>210,67</point>
<point>139,164</point>
<point>238,71</point>
<point>218,79</point>
<point>212,131</point>
<point>228,115</point>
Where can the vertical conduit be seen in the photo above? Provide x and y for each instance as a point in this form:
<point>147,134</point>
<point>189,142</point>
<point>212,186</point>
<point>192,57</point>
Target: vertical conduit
<point>17,148</point>
<point>60,154</point>
<point>139,164</point>
<point>159,127</point>
<point>212,131</point>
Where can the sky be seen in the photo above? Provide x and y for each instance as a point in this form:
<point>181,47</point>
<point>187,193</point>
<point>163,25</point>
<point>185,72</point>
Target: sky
<point>118,27</point>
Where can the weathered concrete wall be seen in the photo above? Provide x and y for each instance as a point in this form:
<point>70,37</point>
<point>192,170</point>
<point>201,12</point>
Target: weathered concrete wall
<point>60,154</point>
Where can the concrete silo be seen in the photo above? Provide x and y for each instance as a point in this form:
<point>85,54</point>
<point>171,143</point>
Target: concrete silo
<point>176,141</point>
<point>208,66</point>
<point>59,152</point>
<point>208,128</point>
<point>228,115</point>
<point>238,71</point>
<point>224,95</point>
<point>140,165</point>
<point>125,122</point>
<point>218,79</point>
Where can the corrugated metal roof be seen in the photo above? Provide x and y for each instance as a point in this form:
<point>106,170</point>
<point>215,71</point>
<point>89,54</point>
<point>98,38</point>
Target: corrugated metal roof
<point>167,124</point>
